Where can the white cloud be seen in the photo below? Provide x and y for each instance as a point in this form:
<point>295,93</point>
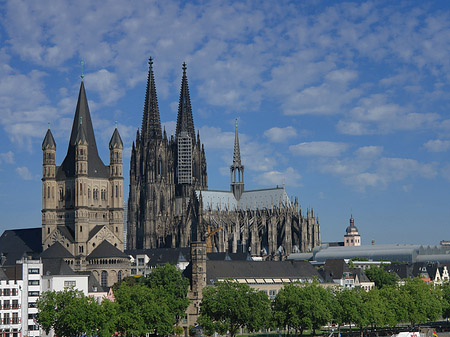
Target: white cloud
<point>375,115</point>
<point>7,157</point>
<point>280,135</point>
<point>290,177</point>
<point>323,149</point>
<point>24,173</point>
<point>105,84</point>
<point>437,145</point>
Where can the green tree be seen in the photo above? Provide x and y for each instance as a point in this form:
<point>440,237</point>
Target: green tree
<point>446,300</point>
<point>229,306</point>
<point>375,307</point>
<point>381,277</point>
<point>170,285</point>
<point>396,302</point>
<point>68,313</point>
<point>425,303</point>
<point>350,303</point>
<point>141,310</point>
<point>302,307</point>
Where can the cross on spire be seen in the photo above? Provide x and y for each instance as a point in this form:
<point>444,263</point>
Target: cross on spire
<point>82,69</point>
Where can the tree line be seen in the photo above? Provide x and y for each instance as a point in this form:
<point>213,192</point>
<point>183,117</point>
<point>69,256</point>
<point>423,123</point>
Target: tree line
<point>156,304</point>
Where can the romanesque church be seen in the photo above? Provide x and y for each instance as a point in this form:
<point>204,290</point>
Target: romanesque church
<point>170,205</point>
<point>82,202</point>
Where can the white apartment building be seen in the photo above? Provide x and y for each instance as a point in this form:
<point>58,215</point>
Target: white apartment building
<point>21,287</point>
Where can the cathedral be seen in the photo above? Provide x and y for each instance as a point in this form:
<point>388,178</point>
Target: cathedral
<point>82,202</point>
<point>170,204</point>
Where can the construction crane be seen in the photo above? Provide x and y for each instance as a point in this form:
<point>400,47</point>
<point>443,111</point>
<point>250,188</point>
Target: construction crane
<point>208,237</point>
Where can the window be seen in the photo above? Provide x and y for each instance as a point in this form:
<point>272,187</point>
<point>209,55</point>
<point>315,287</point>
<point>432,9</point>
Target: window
<point>81,229</point>
<point>68,284</point>
<point>33,327</point>
<point>15,318</point>
<point>6,292</point>
<point>33,271</point>
<point>119,276</point>
<point>15,304</point>
<point>14,291</point>
<point>31,316</point>
<point>32,305</point>
<point>117,191</point>
<point>104,278</point>
<point>6,305</point>
<point>6,318</point>
<point>33,282</point>
<point>33,293</point>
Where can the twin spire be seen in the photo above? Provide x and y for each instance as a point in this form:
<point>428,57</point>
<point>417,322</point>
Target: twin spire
<point>151,122</point>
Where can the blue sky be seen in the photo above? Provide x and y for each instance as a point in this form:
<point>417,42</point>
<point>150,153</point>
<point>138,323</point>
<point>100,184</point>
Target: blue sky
<point>346,101</point>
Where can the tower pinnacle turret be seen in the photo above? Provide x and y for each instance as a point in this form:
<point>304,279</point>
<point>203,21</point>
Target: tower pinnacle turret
<point>237,169</point>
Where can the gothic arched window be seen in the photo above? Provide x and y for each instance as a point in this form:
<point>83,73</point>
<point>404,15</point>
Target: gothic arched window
<point>119,276</point>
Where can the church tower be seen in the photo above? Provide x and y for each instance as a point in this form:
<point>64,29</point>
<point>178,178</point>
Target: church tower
<point>237,169</point>
<point>352,237</point>
<point>164,174</point>
<point>190,155</point>
<point>82,205</point>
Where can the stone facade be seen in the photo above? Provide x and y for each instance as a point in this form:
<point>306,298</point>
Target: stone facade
<point>82,200</point>
<point>170,205</point>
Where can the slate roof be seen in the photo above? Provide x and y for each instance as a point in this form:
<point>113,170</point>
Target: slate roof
<point>13,272</point>
<point>228,256</point>
<point>94,231</point>
<point>49,141</point>
<point>257,269</point>
<point>249,200</point>
<point>116,141</point>
<point>3,275</point>
<point>57,250</point>
<point>105,249</point>
<point>161,256</point>
<point>56,266</point>
<point>403,270</point>
<point>335,269</point>
<point>82,121</point>
<point>16,243</point>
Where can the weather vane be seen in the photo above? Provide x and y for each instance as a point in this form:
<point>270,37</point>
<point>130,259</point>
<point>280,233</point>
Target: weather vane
<point>82,69</point>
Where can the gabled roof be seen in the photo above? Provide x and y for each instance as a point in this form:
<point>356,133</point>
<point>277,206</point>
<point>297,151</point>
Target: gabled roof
<point>403,270</point>
<point>82,124</point>
<point>106,249</point>
<point>56,266</point>
<point>57,250</point>
<point>94,231</point>
<point>335,268</point>
<point>161,256</point>
<point>256,269</point>
<point>16,243</point>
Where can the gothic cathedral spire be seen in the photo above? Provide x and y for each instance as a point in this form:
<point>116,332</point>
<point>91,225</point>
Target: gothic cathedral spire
<point>151,124</point>
<point>237,169</point>
<point>185,121</point>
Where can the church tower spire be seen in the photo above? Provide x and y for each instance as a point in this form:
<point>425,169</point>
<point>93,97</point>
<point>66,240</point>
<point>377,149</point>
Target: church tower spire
<point>185,121</point>
<point>82,127</point>
<point>151,123</point>
<point>237,169</point>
